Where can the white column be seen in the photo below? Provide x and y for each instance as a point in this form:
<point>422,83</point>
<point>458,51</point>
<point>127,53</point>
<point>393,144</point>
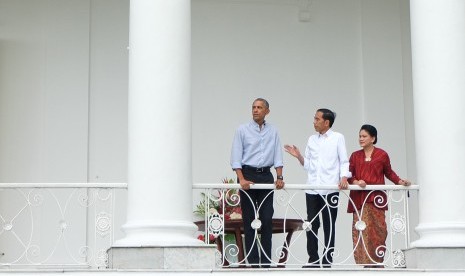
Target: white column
<point>159,159</point>
<point>438,68</point>
<point>159,228</point>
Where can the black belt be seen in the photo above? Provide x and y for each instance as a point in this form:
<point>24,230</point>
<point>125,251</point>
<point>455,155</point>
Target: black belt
<point>254,169</point>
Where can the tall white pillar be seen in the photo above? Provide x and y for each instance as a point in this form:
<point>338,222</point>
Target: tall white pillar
<point>438,68</point>
<point>159,158</point>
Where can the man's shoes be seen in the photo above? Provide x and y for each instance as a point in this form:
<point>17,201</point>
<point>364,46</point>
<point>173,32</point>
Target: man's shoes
<point>260,266</point>
<point>374,266</point>
<point>311,266</point>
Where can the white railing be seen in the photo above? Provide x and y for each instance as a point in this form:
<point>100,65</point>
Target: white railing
<point>71,225</point>
<point>221,224</point>
<point>58,225</point>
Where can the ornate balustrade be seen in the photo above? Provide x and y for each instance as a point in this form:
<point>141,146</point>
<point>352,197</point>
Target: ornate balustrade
<point>58,225</point>
<point>221,224</point>
<point>71,225</point>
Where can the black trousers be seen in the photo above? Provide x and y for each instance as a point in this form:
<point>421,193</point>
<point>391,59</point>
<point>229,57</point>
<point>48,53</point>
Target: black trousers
<point>327,206</point>
<point>251,201</point>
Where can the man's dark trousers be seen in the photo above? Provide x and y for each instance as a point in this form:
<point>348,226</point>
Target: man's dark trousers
<point>327,205</point>
<point>251,200</point>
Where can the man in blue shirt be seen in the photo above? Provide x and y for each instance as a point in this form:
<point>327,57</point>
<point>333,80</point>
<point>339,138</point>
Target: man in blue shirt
<point>256,148</point>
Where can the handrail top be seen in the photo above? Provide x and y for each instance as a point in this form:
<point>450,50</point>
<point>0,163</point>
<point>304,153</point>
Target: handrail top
<point>260,186</point>
<point>65,185</point>
<point>375,187</point>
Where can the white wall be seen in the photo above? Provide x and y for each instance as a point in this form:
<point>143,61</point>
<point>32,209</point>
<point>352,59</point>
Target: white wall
<point>247,49</point>
<point>63,82</point>
<point>109,39</point>
<point>63,90</point>
<point>44,91</point>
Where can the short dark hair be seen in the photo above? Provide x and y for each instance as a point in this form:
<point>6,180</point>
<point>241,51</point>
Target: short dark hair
<point>263,101</point>
<point>328,115</point>
<point>371,131</point>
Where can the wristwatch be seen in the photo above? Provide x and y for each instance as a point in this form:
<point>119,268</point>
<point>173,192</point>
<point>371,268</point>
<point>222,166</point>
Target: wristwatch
<point>280,177</point>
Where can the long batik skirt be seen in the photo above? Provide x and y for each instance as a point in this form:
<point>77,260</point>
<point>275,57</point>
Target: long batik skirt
<point>370,246</point>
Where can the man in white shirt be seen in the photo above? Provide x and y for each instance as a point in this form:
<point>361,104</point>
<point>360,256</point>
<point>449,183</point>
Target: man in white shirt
<point>326,163</point>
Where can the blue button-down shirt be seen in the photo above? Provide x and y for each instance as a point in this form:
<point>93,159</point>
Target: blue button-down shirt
<point>256,147</point>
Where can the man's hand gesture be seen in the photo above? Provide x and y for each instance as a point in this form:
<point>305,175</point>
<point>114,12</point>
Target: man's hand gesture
<point>292,150</point>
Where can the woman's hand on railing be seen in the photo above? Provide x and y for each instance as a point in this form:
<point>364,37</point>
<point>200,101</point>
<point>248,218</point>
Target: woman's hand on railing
<point>360,183</point>
<point>404,182</point>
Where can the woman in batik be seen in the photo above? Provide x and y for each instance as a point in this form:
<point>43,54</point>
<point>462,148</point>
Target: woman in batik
<point>369,166</point>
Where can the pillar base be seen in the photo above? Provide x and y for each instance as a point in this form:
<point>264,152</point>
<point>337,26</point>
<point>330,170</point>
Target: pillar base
<point>435,257</point>
<point>168,258</point>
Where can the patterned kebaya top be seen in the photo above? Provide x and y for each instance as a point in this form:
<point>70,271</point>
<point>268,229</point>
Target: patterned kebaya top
<point>372,172</point>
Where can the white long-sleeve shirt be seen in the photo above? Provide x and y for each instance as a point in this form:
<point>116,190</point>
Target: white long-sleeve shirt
<point>326,160</point>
